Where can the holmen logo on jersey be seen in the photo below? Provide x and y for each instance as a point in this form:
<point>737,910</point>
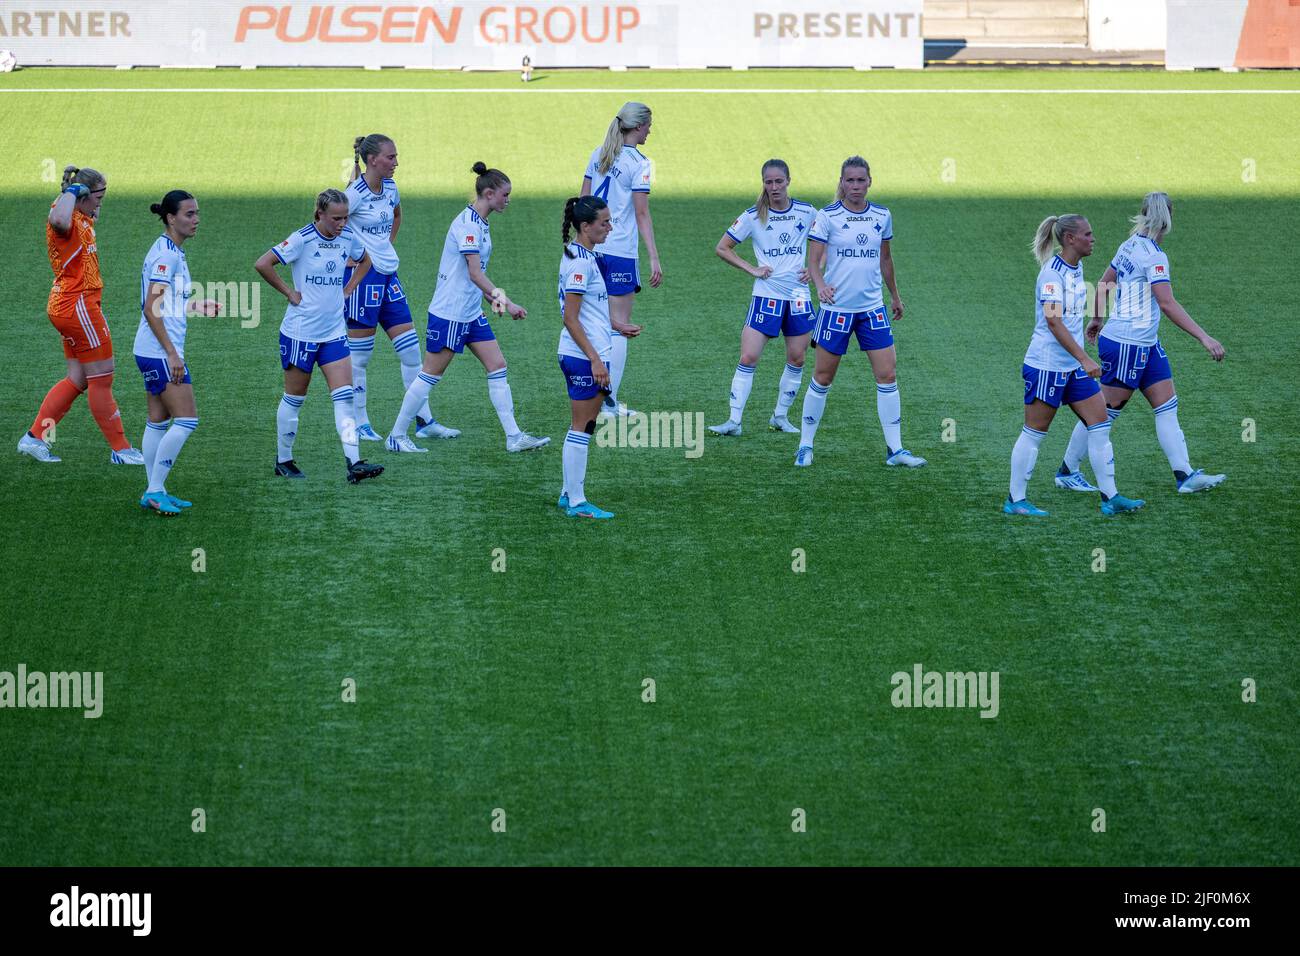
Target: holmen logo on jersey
<point>65,689</point>
<point>653,430</point>
<point>76,909</point>
<point>923,688</point>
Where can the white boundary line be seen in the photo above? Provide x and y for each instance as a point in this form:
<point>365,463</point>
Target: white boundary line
<point>657,91</point>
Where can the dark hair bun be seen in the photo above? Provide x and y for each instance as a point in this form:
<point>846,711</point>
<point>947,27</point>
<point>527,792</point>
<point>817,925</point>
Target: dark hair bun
<point>479,169</point>
<point>156,209</point>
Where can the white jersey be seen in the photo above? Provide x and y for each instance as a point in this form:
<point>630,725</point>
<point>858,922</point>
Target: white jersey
<point>1062,283</point>
<point>164,264</point>
<point>1139,266</point>
<point>318,275</point>
<point>370,215</point>
<point>853,241</point>
<point>582,274</point>
<point>455,298</point>
<point>631,173</point>
<point>779,243</point>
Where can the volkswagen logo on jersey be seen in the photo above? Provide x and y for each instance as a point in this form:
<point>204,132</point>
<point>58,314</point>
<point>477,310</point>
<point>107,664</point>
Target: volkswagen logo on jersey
<point>383,215</point>
<point>862,238</point>
<point>331,266</point>
<point>785,237</point>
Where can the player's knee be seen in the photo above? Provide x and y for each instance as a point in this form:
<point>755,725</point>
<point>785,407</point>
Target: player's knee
<point>886,378</point>
<point>749,358</point>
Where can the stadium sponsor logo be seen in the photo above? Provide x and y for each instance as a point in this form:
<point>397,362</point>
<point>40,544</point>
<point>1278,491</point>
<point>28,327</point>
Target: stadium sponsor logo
<point>75,690</point>
<point>75,908</point>
<point>504,23</point>
<point>654,430</point>
<point>92,24</point>
<point>923,688</point>
<point>835,24</point>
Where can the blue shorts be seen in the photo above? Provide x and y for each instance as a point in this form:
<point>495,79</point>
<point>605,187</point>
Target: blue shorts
<point>577,374</point>
<point>621,275</point>
<point>871,327</point>
<point>156,375</point>
<point>456,335</point>
<point>1132,366</point>
<point>377,300</point>
<point>304,355</point>
<point>775,317</point>
<point>1057,388</point>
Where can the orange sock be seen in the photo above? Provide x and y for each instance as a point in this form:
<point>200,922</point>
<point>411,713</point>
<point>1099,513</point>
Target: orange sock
<point>104,408</point>
<point>56,404</point>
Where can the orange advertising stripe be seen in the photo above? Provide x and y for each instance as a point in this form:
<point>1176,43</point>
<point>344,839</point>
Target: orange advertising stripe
<point>1270,34</point>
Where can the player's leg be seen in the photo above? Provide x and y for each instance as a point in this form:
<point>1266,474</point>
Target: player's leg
<point>333,360</point>
<point>103,406</point>
<point>1158,388</point>
<point>1039,413</point>
<point>585,399</point>
<point>443,341</point>
<point>754,335</point>
<point>395,318</point>
<point>361,348</point>
<point>488,351</point>
<point>620,310</point>
<point>796,351</point>
<point>833,341</point>
<point>1092,412</point>
<point>296,380</point>
<point>54,406</point>
<point>1119,377</point>
<point>177,400</point>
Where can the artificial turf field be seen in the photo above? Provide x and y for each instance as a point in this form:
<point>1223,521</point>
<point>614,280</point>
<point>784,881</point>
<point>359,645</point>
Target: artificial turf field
<point>522,690</point>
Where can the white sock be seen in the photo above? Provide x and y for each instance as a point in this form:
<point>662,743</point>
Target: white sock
<point>1023,458</point>
<point>361,350</point>
<point>890,409</point>
<point>286,425</point>
<point>1171,437</point>
<point>791,378</point>
<point>575,466</point>
<point>499,392</point>
<point>169,449</point>
<point>1078,446</point>
<point>814,403</point>
<point>408,353</point>
<point>345,421</point>
<point>617,362</point>
<point>417,395</point>
<point>741,383</point>
<point>153,433</point>
<point>1102,457</point>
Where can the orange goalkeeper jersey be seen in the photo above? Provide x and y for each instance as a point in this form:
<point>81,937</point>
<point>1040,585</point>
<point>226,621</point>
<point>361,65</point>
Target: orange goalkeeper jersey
<point>75,262</point>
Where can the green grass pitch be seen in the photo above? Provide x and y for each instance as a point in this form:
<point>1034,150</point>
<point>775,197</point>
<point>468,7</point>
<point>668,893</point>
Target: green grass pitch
<point>522,690</point>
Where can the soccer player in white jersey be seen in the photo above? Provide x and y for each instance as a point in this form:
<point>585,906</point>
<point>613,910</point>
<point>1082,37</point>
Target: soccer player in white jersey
<point>585,342</point>
<point>1057,369</point>
<point>849,257</point>
<point>1129,347</point>
<point>620,174</point>
<point>165,293</point>
<point>313,331</point>
<point>375,214</point>
<point>778,228</point>
<point>456,317</point>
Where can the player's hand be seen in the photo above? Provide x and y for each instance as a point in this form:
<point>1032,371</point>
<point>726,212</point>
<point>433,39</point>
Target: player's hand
<point>80,190</point>
<point>1091,367</point>
<point>295,297</point>
<point>804,275</point>
<point>1093,330</point>
<point>627,330</point>
<point>896,307</point>
<point>516,311</point>
<point>762,272</point>
<point>1214,348</point>
<point>600,373</point>
<point>826,295</point>
<point>656,274</point>
<point>175,367</point>
<point>208,308</point>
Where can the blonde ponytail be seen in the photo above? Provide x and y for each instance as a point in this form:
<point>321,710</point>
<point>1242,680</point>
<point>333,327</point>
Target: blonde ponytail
<point>1051,233</point>
<point>91,178</point>
<point>629,118</point>
<point>1156,220</point>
